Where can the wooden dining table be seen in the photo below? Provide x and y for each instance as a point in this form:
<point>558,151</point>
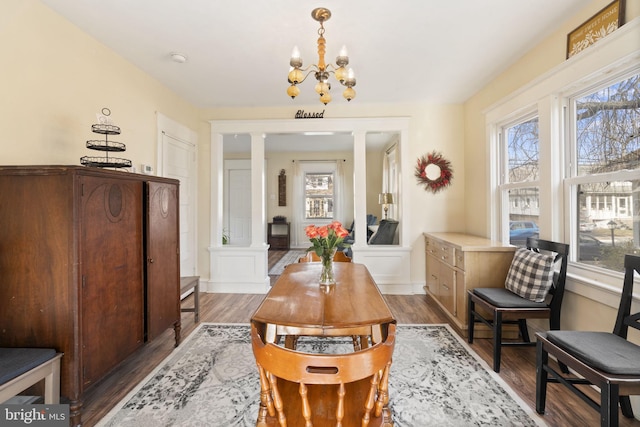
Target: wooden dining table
<point>298,305</point>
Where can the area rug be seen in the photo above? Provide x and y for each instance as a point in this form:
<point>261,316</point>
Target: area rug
<point>211,379</point>
<point>290,257</point>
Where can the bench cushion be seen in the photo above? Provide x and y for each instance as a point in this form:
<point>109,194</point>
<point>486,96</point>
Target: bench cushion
<point>602,350</point>
<point>16,361</point>
<point>500,297</point>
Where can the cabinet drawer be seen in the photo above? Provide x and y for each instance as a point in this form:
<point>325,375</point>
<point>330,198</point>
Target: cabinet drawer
<point>433,271</point>
<point>446,290</point>
<point>431,247</point>
<point>446,253</point>
<point>459,259</point>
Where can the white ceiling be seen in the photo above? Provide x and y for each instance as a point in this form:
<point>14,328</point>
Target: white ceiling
<point>435,51</point>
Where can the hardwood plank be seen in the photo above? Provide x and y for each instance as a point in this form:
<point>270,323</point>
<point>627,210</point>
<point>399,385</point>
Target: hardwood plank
<point>518,363</point>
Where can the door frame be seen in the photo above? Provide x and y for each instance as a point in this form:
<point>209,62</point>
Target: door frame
<point>167,127</point>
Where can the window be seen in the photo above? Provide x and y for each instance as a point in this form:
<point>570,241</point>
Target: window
<point>588,183</point>
<point>519,180</point>
<point>604,177</point>
<point>319,195</point>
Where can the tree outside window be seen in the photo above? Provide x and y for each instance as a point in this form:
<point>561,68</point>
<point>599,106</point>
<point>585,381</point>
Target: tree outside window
<point>520,179</point>
<point>605,174</point>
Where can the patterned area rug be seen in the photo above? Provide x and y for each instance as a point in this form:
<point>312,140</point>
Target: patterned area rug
<point>211,380</point>
<point>290,257</point>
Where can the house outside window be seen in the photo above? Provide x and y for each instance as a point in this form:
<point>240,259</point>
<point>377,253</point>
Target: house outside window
<point>604,173</point>
<point>319,195</point>
<point>519,179</point>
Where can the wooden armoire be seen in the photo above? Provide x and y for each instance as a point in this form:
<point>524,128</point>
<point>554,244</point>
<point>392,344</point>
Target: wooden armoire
<point>89,265</point>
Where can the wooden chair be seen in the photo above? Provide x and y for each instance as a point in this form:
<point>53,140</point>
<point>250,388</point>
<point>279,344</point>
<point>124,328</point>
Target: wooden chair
<point>321,390</point>
<point>606,360</point>
<point>505,307</point>
<point>313,257</point>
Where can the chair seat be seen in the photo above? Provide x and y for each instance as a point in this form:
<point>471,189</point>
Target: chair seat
<point>16,361</point>
<point>501,297</point>
<point>605,351</point>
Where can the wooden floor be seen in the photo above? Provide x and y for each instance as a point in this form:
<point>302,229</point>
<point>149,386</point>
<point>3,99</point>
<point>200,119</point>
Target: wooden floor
<point>518,364</point>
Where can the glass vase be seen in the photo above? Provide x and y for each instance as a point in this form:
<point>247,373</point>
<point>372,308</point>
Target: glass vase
<point>326,275</point>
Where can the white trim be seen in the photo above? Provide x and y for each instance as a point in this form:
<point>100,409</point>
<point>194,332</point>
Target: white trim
<point>358,127</point>
<point>188,138</point>
<point>612,56</point>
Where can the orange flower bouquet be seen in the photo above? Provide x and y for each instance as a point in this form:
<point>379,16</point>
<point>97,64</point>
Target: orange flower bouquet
<point>325,241</point>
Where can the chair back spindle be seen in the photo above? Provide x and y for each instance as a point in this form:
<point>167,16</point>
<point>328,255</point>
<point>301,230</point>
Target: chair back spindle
<point>367,369</point>
<point>624,319</point>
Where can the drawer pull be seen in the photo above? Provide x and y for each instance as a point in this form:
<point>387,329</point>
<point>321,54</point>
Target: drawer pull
<point>445,286</point>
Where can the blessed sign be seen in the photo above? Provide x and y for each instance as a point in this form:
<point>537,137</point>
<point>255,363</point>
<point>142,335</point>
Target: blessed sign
<point>301,114</point>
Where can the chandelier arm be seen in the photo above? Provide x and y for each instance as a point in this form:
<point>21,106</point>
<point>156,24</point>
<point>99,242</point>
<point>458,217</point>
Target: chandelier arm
<point>310,69</point>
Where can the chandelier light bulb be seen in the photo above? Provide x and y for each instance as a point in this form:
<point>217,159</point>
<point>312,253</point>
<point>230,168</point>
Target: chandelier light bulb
<point>295,53</point>
<point>293,91</point>
<point>322,88</point>
<point>349,93</point>
<point>295,76</point>
<point>325,98</point>
<point>343,51</point>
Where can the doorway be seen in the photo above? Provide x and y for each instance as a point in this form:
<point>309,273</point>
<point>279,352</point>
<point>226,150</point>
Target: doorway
<point>177,159</point>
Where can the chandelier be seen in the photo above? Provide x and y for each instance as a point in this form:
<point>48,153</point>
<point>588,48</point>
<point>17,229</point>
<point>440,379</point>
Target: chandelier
<point>321,70</point>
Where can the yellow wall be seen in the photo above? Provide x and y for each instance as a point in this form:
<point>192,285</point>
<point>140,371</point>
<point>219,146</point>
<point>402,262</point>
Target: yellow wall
<point>432,127</point>
<point>546,55</point>
<point>578,312</point>
<point>55,78</point>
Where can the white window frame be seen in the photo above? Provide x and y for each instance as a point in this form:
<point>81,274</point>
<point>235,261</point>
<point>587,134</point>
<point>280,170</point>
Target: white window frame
<point>504,185</point>
<point>333,195</point>
<point>616,54</point>
<point>324,167</point>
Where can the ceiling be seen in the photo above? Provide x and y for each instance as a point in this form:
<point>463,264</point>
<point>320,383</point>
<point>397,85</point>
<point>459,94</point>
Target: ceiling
<point>433,51</point>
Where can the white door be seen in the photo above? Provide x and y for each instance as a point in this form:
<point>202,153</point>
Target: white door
<point>178,160</point>
<point>237,202</point>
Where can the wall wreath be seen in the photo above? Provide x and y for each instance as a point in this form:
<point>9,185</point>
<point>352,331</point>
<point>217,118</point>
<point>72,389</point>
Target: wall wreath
<point>434,172</point>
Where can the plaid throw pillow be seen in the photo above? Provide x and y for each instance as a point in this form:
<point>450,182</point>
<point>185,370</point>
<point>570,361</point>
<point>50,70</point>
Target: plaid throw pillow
<point>530,275</point>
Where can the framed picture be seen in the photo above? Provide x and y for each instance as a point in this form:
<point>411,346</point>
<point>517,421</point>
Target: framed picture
<point>595,28</point>
<point>282,188</point>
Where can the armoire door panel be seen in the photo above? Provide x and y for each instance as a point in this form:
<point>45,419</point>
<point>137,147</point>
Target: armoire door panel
<point>112,274</point>
<point>163,261</point>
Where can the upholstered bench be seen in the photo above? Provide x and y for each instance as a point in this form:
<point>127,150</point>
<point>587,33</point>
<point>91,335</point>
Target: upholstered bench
<point>20,368</point>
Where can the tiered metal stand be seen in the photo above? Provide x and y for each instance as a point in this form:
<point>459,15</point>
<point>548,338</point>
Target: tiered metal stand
<point>106,146</point>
